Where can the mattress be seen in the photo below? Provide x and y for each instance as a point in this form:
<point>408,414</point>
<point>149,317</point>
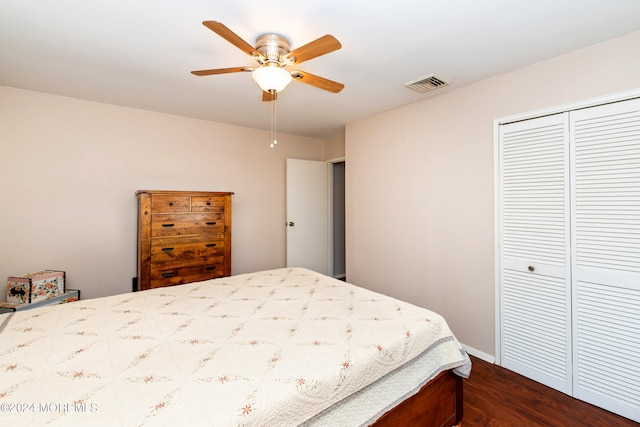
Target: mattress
<point>274,348</point>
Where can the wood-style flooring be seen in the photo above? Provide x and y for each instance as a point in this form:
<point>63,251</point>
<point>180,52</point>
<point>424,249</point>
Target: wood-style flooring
<point>497,397</point>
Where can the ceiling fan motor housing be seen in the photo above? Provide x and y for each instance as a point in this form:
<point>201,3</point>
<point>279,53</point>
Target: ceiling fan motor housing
<point>273,47</point>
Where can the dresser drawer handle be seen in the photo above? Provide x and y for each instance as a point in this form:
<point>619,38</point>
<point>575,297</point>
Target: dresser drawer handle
<point>208,203</point>
<point>167,249</point>
<point>170,203</point>
<point>211,223</point>
<point>167,275</point>
<point>211,268</point>
<point>211,245</point>
<point>168,225</point>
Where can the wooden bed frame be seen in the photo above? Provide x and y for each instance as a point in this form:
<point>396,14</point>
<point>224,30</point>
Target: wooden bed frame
<point>437,404</point>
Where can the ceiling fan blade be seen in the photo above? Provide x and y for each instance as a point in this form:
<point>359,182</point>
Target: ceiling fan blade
<point>268,96</point>
<point>221,71</point>
<point>319,82</point>
<point>224,32</point>
<point>318,47</point>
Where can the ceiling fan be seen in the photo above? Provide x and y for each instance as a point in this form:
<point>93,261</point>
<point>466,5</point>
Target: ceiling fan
<point>273,53</point>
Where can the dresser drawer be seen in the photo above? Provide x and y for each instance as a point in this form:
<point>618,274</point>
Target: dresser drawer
<point>207,204</point>
<point>170,203</point>
<point>179,275</point>
<point>164,249</point>
<point>185,224</point>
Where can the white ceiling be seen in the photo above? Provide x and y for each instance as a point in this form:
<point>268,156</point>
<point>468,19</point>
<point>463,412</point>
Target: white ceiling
<point>139,53</point>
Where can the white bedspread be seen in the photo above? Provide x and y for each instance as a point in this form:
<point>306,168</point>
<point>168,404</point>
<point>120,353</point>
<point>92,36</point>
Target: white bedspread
<point>273,348</point>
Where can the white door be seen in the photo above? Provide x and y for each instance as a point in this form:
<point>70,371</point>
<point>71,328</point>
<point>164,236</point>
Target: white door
<point>605,142</point>
<point>535,294</point>
<point>308,215</point>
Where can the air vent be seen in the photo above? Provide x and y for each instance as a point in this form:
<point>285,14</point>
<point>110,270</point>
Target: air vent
<point>426,83</point>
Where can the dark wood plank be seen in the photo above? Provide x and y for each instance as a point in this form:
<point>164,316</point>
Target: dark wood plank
<point>497,397</point>
<point>435,405</point>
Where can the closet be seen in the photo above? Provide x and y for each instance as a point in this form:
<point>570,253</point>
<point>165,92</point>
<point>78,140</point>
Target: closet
<point>568,261</point>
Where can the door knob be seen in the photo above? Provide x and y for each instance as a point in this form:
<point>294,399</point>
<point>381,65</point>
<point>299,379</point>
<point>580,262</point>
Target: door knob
<point>290,224</point>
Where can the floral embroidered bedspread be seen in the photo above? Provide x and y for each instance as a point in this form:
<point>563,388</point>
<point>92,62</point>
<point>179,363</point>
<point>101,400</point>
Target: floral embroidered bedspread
<point>271,348</point>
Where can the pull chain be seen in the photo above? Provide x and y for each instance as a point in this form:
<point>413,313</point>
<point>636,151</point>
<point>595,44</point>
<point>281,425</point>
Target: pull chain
<point>274,141</point>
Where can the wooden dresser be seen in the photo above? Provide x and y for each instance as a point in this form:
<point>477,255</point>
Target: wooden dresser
<point>183,236</point>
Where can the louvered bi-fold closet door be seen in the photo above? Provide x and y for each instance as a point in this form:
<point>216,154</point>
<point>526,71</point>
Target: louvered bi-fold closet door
<point>605,145</point>
<point>535,293</point>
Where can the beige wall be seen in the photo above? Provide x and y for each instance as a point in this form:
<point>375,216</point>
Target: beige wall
<point>420,220</point>
<point>69,170</point>
<point>334,146</point>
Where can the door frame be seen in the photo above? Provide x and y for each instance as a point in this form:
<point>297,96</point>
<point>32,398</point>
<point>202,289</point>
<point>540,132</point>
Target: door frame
<point>331,225</point>
<point>330,220</point>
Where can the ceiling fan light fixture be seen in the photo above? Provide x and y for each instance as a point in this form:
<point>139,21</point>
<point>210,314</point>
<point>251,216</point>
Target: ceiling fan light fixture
<point>271,77</point>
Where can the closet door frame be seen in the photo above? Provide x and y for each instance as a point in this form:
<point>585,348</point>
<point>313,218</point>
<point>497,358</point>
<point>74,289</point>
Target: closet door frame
<point>620,96</point>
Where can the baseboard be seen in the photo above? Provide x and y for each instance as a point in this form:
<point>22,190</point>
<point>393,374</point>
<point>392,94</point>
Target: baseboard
<point>479,354</point>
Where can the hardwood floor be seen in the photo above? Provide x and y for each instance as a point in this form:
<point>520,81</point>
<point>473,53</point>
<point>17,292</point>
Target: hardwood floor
<point>497,397</point>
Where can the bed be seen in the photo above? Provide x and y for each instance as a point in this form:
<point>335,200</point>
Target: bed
<point>284,347</point>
